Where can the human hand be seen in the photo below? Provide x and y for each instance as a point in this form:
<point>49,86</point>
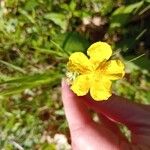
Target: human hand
<point>89,135</point>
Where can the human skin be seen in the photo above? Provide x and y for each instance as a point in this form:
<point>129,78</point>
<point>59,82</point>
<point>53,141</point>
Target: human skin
<point>105,135</point>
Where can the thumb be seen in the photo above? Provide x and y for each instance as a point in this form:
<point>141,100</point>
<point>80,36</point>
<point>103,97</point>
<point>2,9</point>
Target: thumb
<point>76,112</point>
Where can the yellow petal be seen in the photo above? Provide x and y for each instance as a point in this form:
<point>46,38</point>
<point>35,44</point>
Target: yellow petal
<point>114,69</point>
<point>99,52</point>
<point>78,62</point>
<point>100,88</point>
<point>81,85</point>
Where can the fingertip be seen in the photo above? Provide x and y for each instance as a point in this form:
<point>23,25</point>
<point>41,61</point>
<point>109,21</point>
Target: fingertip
<point>65,89</point>
<point>63,83</point>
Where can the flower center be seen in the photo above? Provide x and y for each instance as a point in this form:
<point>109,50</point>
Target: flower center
<point>101,67</point>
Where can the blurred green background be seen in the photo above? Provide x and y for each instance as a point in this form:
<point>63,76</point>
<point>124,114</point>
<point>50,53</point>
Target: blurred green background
<point>36,38</point>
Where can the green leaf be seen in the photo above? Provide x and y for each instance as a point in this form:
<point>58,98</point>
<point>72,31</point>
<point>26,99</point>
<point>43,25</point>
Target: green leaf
<point>30,5</point>
<point>122,15</point>
<point>72,41</point>
<point>147,1</point>
<point>17,85</point>
<point>73,5</point>
<point>13,66</point>
<point>28,16</point>
<point>58,19</point>
<point>142,62</point>
<point>48,146</point>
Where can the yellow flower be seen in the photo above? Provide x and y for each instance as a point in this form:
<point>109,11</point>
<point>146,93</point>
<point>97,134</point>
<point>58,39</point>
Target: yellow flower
<point>96,73</point>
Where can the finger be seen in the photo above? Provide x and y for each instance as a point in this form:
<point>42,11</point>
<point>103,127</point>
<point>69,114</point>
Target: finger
<point>76,112</point>
<point>123,111</point>
<point>112,126</point>
<point>135,117</point>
